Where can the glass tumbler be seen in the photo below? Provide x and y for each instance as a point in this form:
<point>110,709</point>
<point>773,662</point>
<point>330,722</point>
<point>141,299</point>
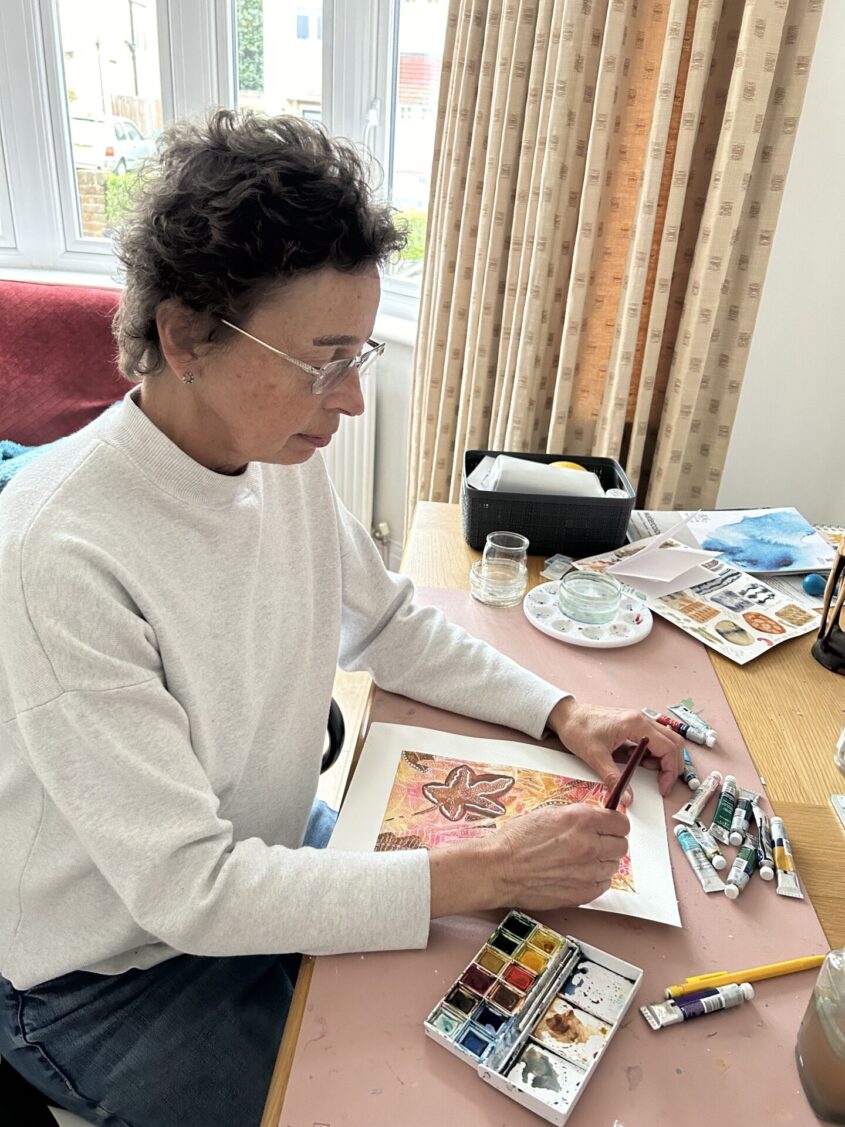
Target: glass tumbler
<point>820,1048</point>
<point>500,577</point>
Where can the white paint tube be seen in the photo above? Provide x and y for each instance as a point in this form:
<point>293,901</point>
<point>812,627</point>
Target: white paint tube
<point>709,844</point>
<point>688,814</point>
<point>695,722</point>
<point>689,773</point>
<point>720,827</point>
<point>708,878</point>
<point>716,998</point>
<point>742,815</point>
<point>788,883</point>
<point>742,869</point>
<point>765,854</point>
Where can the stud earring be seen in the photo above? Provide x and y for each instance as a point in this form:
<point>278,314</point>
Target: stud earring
<point>187,377</point>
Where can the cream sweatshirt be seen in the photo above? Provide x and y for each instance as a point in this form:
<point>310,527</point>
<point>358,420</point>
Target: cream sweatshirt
<point>168,642</point>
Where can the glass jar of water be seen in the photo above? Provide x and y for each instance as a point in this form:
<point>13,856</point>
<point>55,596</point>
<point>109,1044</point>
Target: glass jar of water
<point>820,1049</point>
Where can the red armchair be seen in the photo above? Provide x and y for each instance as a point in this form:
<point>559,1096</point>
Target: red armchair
<point>58,366</point>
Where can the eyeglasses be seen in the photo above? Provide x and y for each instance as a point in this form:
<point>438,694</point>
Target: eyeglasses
<point>331,374</point>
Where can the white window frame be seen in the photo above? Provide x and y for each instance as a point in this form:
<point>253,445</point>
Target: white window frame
<point>39,215</point>
<point>7,218</point>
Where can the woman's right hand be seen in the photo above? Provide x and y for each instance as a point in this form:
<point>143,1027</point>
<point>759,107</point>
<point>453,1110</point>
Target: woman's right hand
<point>554,857</point>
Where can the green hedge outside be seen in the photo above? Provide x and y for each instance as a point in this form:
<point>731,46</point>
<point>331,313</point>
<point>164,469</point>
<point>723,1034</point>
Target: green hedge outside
<point>118,191</point>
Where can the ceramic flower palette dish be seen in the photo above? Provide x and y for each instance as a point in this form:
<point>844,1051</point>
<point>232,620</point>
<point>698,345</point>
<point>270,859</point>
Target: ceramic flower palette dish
<point>632,623</point>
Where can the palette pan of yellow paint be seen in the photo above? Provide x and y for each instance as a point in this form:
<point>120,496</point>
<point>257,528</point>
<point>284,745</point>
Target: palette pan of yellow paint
<point>534,1012</point>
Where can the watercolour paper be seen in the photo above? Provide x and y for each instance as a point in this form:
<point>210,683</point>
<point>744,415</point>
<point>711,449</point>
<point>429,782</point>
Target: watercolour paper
<point>401,797</point>
<point>777,540</point>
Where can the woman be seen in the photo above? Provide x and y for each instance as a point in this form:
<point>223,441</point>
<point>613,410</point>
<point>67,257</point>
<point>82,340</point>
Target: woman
<point>179,582</point>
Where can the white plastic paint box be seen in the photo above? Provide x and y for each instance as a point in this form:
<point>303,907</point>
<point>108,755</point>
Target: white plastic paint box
<point>534,1012</point>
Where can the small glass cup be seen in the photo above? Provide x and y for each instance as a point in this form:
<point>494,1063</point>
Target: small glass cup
<point>500,577</point>
<point>589,596</point>
<point>820,1048</point>
<point>508,547</point>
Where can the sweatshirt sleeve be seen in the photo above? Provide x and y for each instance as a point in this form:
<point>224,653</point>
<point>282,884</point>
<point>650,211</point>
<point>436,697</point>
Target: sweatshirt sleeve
<point>112,750</point>
<point>415,651</point>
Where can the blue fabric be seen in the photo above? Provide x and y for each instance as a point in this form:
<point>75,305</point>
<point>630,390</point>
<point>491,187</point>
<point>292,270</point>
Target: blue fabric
<point>14,457</point>
<point>189,1043</point>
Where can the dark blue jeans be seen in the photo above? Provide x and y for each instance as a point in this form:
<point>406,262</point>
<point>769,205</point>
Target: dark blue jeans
<point>188,1043</point>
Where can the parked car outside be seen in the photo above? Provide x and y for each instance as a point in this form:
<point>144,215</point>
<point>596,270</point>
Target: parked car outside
<point>113,144</point>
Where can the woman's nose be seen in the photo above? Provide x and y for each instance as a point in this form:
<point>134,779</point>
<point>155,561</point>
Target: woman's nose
<point>348,396</point>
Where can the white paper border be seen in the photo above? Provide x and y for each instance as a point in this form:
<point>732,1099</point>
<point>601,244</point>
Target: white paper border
<point>363,809</point>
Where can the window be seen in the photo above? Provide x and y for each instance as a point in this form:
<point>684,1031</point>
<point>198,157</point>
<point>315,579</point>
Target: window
<point>418,56</point>
<point>279,61</point>
<point>90,83</point>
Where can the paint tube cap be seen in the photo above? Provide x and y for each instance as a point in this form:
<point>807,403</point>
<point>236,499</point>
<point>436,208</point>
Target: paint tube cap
<point>767,872</point>
<point>694,783</point>
<point>719,862</point>
<point>731,891</point>
<point>710,739</point>
<point>747,991</point>
<point>736,838</point>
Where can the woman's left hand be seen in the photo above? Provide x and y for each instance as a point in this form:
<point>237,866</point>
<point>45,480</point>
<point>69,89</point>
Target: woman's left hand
<point>593,731</point>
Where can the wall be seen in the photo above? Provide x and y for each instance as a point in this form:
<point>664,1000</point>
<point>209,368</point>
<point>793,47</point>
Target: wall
<point>789,435</point>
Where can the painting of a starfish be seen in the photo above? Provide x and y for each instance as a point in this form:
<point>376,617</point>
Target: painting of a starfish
<point>435,800</point>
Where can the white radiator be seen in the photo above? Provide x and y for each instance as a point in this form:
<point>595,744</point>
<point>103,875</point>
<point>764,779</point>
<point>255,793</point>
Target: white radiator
<point>350,456</point>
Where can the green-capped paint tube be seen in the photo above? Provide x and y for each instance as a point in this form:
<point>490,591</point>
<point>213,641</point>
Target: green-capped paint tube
<point>742,869</point>
<point>721,825</point>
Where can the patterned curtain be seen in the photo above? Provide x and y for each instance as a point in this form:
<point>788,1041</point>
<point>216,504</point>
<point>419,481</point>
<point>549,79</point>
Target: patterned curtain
<point>607,178</point>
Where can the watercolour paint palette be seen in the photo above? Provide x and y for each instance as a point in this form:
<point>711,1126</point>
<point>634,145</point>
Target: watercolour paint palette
<point>534,1012</point>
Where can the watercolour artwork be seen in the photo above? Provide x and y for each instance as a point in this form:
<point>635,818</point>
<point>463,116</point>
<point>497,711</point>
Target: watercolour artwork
<point>418,788</point>
<point>437,801</point>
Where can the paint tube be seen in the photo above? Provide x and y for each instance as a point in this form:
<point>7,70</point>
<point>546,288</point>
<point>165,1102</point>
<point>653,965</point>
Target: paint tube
<point>694,720</point>
<point>688,814</point>
<point>688,1006</point>
<point>765,855</point>
<point>685,731</point>
<point>788,883</point>
<point>742,815</point>
<point>742,869</point>
<point>720,827</point>
<point>709,844</point>
<point>689,773</point>
<point>708,878</point>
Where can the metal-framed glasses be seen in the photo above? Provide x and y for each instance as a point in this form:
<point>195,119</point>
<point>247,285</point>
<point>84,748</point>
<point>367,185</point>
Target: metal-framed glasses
<point>331,374</point>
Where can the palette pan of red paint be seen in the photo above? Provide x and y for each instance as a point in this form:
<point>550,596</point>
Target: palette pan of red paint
<point>534,1012</point>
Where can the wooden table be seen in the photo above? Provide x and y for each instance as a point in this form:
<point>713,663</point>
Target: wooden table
<point>789,710</point>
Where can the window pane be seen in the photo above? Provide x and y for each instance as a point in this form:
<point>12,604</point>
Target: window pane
<point>280,56</point>
<point>112,82</point>
<point>422,30</point>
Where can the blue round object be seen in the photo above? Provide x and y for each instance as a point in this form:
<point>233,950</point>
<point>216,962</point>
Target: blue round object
<point>814,585</point>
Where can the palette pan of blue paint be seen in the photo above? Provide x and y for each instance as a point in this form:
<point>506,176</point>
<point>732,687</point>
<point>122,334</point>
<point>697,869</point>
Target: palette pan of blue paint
<point>534,1013</point>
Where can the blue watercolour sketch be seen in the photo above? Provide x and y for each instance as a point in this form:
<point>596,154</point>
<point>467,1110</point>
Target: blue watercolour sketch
<point>763,540</point>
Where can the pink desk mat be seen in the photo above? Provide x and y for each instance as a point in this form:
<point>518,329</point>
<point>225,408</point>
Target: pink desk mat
<point>362,1056</point>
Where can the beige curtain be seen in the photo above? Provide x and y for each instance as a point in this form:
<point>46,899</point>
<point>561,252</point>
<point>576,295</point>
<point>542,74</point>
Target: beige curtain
<point>607,178</point>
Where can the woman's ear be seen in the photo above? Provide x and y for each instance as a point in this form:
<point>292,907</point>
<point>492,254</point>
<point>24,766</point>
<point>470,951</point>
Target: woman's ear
<point>182,333</point>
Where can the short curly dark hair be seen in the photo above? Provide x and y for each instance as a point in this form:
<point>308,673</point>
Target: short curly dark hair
<point>234,207</point>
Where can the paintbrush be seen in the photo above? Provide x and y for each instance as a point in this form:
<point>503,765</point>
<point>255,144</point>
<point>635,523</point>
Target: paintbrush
<point>637,756</point>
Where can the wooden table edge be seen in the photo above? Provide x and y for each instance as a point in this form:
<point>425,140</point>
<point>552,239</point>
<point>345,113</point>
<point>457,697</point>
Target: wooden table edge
<point>290,1038</point>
